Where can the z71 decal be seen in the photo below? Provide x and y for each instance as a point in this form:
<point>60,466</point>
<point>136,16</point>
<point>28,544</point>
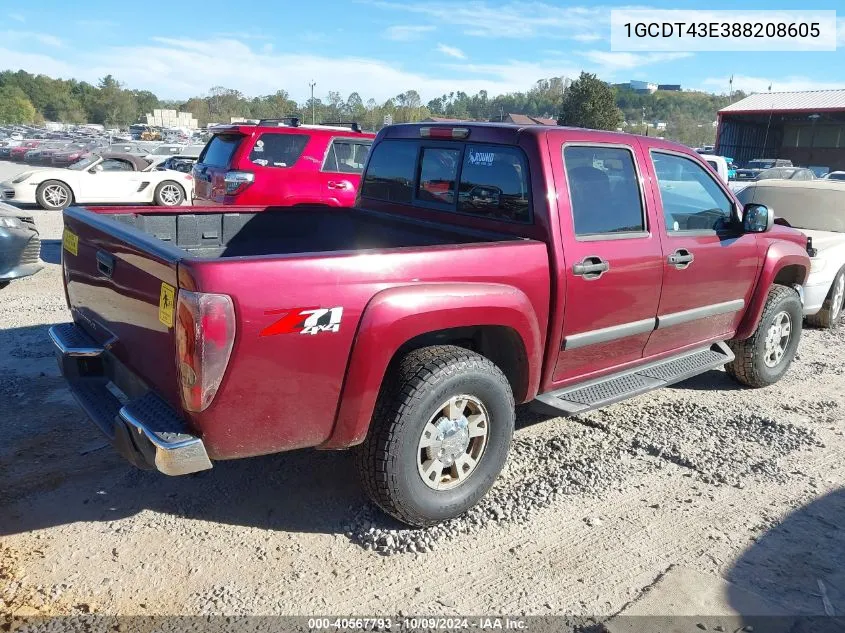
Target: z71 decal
<point>304,321</point>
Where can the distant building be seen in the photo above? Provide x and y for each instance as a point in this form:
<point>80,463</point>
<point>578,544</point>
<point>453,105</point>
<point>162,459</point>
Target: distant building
<point>669,87</point>
<point>807,128</point>
<point>171,118</point>
<point>644,87</point>
<point>658,125</point>
<point>524,119</point>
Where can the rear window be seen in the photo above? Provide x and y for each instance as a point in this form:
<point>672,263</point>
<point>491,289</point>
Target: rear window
<point>483,180</point>
<point>219,150</point>
<point>278,150</point>
<point>390,173</point>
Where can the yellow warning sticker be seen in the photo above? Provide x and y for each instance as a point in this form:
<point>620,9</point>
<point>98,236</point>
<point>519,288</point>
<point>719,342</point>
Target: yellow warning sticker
<point>166,302</point>
<point>71,242</point>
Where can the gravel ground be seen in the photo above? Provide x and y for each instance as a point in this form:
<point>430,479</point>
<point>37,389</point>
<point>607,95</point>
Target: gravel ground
<point>589,512</point>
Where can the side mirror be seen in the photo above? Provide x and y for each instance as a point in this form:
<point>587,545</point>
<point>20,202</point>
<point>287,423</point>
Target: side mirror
<point>757,218</point>
<point>95,169</point>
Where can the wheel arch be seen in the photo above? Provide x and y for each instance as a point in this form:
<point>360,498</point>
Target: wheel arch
<point>73,197</point>
<point>785,264</point>
<point>494,320</point>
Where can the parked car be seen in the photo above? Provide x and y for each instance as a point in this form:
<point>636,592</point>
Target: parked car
<point>483,265</point>
<point>281,162</point>
<point>817,208</point>
<point>183,162</point>
<point>719,165</point>
<point>20,151</point>
<point>20,247</point>
<point>116,178</point>
<point>835,175</point>
<point>786,173</point>
<point>754,167</point>
<point>72,154</point>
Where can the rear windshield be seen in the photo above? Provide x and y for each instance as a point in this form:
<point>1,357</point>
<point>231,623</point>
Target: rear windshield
<point>482,180</point>
<point>219,150</point>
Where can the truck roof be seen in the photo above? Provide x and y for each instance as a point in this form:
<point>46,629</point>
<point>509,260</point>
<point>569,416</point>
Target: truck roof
<point>509,133</point>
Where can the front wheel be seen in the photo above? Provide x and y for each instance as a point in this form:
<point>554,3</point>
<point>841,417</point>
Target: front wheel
<point>53,195</point>
<point>169,194</point>
<point>763,359</point>
<point>829,315</point>
<point>439,437</point>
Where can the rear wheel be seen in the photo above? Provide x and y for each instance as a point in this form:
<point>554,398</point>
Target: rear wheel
<point>53,195</point>
<point>169,194</point>
<point>439,437</point>
<point>763,359</point>
<point>831,312</point>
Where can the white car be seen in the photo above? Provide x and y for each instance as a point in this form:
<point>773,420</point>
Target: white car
<point>108,177</point>
<point>816,208</point>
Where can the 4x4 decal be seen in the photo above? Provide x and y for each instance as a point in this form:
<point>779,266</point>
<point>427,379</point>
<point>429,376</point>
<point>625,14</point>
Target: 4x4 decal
<point>304,321</point>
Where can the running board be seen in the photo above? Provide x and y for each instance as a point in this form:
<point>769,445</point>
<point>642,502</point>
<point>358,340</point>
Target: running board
<point>633,382</point>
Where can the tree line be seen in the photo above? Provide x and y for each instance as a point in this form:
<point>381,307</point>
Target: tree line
<point>28,98</point>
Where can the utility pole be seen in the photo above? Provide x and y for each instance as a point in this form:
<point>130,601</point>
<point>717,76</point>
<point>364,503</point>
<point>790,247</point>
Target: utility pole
<point>313,105</point>
<point>731,89</point>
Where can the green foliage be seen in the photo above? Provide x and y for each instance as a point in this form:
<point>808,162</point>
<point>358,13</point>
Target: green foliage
<point>589,102</point>
<point>15,106</point>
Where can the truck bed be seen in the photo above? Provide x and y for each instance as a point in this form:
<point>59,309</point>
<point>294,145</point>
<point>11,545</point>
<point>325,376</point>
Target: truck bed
<point>212,235</point>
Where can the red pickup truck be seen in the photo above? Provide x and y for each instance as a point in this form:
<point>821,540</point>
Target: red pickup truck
<point>283,163</point>
<point>483,265</point>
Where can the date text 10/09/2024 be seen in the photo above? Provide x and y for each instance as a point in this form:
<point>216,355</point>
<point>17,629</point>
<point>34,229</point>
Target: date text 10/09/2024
<point>417,624</point>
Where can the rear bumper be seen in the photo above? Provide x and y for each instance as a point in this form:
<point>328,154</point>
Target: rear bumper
<point>143,428</point>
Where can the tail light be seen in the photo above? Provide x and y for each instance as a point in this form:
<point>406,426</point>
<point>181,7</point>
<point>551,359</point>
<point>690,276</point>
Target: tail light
<point>237,181</point>
<point>205,334</point>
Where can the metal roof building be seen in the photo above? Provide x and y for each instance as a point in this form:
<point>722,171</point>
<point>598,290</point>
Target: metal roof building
<point>807,128</point>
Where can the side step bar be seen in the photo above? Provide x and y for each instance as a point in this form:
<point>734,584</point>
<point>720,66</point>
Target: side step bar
<point>633,382</point>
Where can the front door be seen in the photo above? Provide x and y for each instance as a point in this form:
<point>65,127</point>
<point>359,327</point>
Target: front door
<point>612,255</point>
<point>709,265</point>
<point>114,180</point>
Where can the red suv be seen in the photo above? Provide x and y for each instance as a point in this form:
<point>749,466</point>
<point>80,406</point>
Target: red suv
<point>280,162</point>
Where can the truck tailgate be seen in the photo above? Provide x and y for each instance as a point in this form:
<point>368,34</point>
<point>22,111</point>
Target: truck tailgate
<point>121,289</point>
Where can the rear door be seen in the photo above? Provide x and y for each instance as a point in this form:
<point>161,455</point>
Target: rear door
<point>285,169</point>
<point>341,172</point>
<point>214,161</point>
<point>709,265</point>
<point>612,253</point>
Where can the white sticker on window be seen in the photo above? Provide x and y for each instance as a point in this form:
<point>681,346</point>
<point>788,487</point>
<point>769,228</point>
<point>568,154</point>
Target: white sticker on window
<point>481,159</point>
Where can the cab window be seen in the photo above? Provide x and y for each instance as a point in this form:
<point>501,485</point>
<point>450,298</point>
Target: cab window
<point>604,191</point>
<point>692,201</point>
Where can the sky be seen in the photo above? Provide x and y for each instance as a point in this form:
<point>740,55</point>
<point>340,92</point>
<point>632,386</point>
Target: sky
<point>378,48</point>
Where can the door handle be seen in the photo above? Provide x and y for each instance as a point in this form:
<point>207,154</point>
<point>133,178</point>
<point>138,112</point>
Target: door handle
<point>334,184</point>
<point>681,258</point>
<point>591,267</point>
<point>105,263</point>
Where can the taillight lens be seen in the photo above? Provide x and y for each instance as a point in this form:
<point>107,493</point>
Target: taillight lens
<point>237,181</point>
<point>205,334</point>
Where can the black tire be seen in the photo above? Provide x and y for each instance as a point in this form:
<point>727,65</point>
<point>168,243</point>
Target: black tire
<point>749,367</point>
<point>44,203</point>
<point>830,315</point>
<point>166,201</point>
<point>415,389</point>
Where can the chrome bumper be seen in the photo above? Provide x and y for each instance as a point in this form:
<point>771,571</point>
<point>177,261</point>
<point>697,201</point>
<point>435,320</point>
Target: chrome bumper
<point>145,430</point>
